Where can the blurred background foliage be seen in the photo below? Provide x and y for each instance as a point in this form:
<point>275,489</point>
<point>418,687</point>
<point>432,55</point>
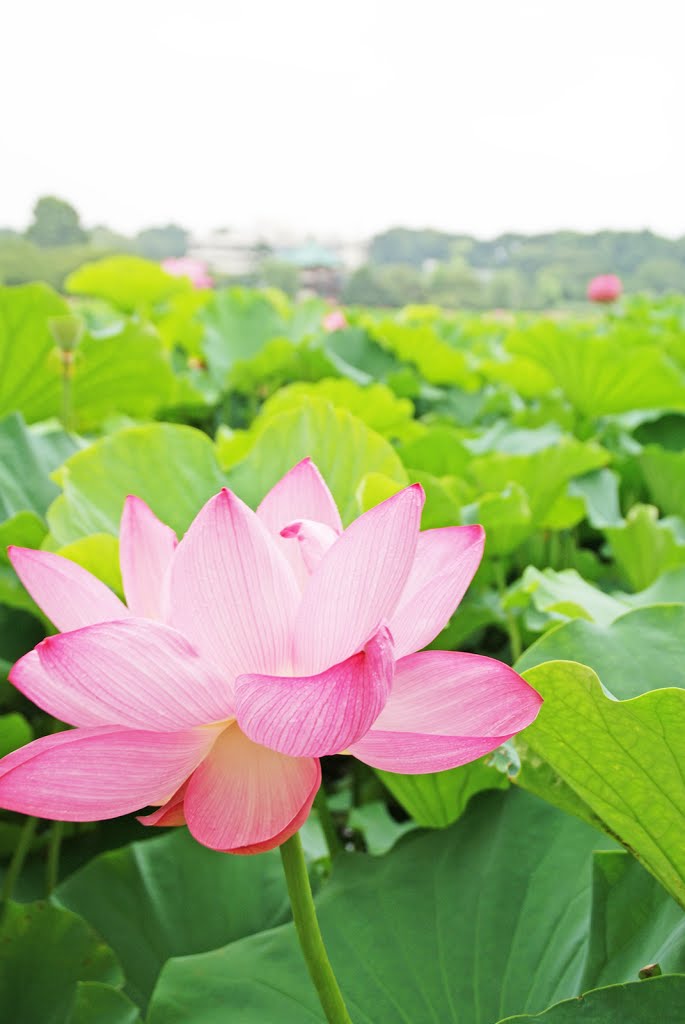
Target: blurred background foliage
<point>400,265</point>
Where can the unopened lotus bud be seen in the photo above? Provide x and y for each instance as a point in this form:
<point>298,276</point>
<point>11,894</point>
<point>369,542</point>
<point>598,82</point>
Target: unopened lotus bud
<point>66,331</point>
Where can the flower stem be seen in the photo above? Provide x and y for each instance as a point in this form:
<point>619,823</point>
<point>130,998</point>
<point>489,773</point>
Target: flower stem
<point>309,933</point>
<point>327,824</point>
<point>23,846</point>
<point>67,389</point>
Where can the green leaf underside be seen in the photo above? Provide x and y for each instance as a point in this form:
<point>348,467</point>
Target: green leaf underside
<point>624,759</point>
<point>168,897</point>
<point>468,925</point>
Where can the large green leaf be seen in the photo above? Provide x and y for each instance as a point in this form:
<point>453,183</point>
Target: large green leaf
<point>634,923</point>
<point>46,951</point>
<point>543,475</point>
<point>601,376</point>
<point>524,377</point>
<point>438,362</point>
<point>19,632</point>
<point>506,517</point>
<point>128,373</point>
<point>486,918</point>
<point>669,588</point>
<point>96,1003</point>
<point>341,445</point>
<point>169,896</point>
<point>641,650</point>
<point>664,473</point>
<point>502,437</point>
<point>173,468</point>
<point>438,450</point>
<point>30,375</point>
<point>15,732</point>
<point>354,354</point>
<point>277,363</point>
<point>667,431</point>
<point>99,554</point>
<point>439,798</point>
<point>238,323</point>
<point>643,1002</point>
<point>624,759</point>
<point>566,595</point>
<point>128,282</point>
<point>379,828</point>
<point>375,404</point>
<point>27,457</point>
<point>599,491</point>
<point>644,546</point>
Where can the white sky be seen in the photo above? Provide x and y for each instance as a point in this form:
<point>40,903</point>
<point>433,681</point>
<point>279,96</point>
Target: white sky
<point>471,115</point>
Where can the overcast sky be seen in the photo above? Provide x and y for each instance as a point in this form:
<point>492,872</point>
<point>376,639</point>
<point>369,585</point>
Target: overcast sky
<point>472,115</point>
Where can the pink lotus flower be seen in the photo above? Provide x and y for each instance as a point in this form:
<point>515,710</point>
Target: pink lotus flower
<point>335,320</point>
<point>260,643</point>
<point>605,288</point>
<point>185,266</point>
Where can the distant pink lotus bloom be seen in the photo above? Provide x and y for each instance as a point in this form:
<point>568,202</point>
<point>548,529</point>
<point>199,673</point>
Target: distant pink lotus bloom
<point>185,266</point>
<point>335,320</point>
<point>604,288</point>
<point>260,643</point>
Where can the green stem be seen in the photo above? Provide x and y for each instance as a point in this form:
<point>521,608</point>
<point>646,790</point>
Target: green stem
<point>26,835</point>
<point>327,824</point>
<point>309,933</point>
<point>67,390</point>
<point>54,845</point>
<point>513,631</point>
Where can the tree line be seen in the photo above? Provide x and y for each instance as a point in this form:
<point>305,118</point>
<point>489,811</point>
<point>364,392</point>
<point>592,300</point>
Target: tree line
<point>55,243</point>
<point>512,270</point>
<point>404,265</point>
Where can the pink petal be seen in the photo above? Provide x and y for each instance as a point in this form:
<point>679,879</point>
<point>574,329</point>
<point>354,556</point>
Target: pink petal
<point>301,494</point>
<point>358,582</point>
<point>232,591</point>
<point>91,774</point>
<point>446,562</point>
<point>146,547</point>
<point>290,829</point>
<point>314,540</point>
<point>322,714</point>
<point>445,709</point>
<point>244,795</point>
<point>70,596</point>
<point>414,753</point>
<point>170,813</point>
<point>133,673</point>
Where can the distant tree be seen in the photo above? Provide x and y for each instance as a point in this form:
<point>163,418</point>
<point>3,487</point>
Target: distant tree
<point>55,222</point>
<point>162,242</point>
<point>401,284</point>
<point>659,276</point>
<point>365,287</point>
<point>102,237</point>
<point>22,261</point>
<point>548,289</point>
<point>505,290</point>
<point>455,285</point>
<point>405,245</point>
